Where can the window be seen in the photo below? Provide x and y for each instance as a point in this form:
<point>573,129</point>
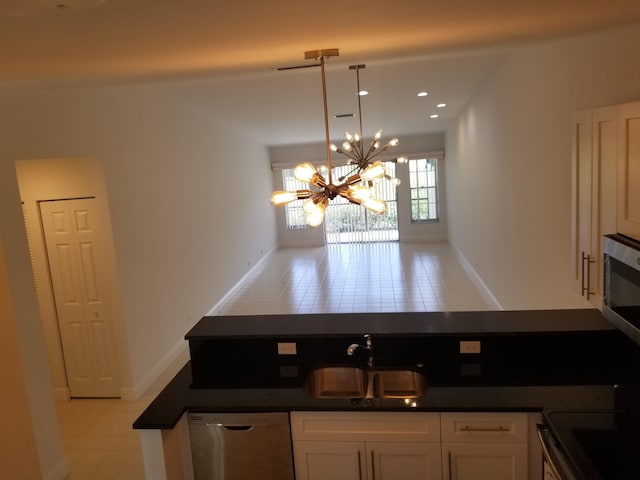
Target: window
<point>294,216</point>
<point>423,181</point>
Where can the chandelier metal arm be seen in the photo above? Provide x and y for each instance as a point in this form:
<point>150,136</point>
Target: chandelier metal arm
<point>326,121</point>
<point>348,154</point>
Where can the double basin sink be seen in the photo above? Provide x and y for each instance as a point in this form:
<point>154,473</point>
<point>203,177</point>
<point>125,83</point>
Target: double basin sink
<point>355,382</point>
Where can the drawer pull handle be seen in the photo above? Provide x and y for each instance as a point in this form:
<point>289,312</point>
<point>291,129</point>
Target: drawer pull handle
<point>499,428</point>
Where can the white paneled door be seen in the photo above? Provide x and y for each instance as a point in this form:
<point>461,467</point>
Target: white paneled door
<point>72,235</point>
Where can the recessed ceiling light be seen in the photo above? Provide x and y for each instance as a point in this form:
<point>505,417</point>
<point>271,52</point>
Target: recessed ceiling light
<point>435,115</point>
<point>423,94</point>
<point>363,93</point>
<point>441,105</point>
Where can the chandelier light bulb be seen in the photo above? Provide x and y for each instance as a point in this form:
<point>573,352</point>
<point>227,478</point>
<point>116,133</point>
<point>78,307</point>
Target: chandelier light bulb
<point>394,142</point>
<point>282,197</point>
<point>402,160</point>
<point>348,136</point>
<point>316,215</point>
<point>378,135</point>
<point>304,172</point>
<point>373,172</point>
<point>394,180</point>
<point>359,193</point>
<point>308,206</point>
<point>375,205</point>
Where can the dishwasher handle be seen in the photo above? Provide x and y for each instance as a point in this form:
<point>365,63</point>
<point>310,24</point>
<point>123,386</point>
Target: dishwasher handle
<point>235,428</point>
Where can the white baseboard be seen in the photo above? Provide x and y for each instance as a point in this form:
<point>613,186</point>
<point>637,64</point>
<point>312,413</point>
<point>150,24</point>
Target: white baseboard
<point>472,273</point>
<point>59,472</point>
<point>237,285</point>
<point>131,394</point>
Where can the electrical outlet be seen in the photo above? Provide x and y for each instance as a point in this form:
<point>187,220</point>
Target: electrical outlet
<point>470,346</point>
<point>287,348</point>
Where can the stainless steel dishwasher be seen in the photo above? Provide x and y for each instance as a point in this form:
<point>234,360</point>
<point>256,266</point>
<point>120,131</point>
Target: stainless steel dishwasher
<point>241,446</point>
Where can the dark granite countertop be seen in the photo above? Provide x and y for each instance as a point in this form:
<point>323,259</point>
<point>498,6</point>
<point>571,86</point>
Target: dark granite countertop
<point>399,324</point>
<point>530,361</point>
<point>178,397</point>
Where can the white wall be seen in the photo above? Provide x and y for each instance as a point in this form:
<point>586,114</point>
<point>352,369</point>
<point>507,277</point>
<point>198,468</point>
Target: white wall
<point>18,448</point>
<point>186,224</point>
<point>509,162</point>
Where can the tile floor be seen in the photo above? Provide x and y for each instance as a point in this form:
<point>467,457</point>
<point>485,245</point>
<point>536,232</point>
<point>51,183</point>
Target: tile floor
<point>386,277</point>
<point>377,277</point>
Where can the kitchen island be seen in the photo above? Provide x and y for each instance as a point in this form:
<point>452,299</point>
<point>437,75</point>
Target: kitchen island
<point>521,361</point>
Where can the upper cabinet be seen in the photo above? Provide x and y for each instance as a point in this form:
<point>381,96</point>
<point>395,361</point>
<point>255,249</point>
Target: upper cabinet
<point>629,169</point>
<point>605,151</point>
<point>594,159</point>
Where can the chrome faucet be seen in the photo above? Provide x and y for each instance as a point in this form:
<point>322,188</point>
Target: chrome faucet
<point>368,346</point>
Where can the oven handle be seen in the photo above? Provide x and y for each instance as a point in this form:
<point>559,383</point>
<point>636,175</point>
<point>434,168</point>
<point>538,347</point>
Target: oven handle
<point>543,432</point>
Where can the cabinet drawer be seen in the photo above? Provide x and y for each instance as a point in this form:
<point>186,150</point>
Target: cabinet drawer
<point>484,427</point>
<point>366,426</point>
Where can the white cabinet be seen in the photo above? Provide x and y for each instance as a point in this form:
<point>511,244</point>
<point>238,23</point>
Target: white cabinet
<point>334,460</point>
<point>485,446</point>
<point>594,184</point>
<point>366,445</point>
<point>366,460</point>
<point>410,445</point>
<point>401,460</point>
<point>629,169</point>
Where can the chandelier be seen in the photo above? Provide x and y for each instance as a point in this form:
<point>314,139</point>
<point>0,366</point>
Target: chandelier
<point>355,188</point>
<point>353,146</point>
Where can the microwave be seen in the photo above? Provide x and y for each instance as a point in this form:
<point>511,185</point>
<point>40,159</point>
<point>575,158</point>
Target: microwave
<point>621,284</point>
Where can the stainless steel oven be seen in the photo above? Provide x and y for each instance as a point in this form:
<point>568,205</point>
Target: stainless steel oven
<point>590,445</point>
<point>621,295</point>
<point>556,465</point>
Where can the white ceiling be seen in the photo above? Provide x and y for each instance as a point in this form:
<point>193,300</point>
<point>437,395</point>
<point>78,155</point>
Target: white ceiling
<point>221,55</point>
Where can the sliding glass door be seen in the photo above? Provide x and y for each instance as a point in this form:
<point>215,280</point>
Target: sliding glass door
<point>346,222</point>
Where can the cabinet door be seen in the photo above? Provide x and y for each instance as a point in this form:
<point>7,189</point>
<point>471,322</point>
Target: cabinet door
<point>594,162</point>
<point>329,460</point>
<point>603,192</point>
<point>498,461</point>
<point>406,461</point>
<point>629,169</point>
<point>581,145</point>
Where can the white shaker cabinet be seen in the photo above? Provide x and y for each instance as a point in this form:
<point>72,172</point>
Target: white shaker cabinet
<point>485,446</point>
<point>411,445</point>
<point>366,445</point>
<point>367,460</point>
<point>334,460</point>
<point>594,177</point>
<point>629,169</point>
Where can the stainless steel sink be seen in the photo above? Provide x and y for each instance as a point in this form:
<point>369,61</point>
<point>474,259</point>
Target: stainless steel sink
<point>354,382</point>
<point>398,384</point>
<point>332,382</point>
